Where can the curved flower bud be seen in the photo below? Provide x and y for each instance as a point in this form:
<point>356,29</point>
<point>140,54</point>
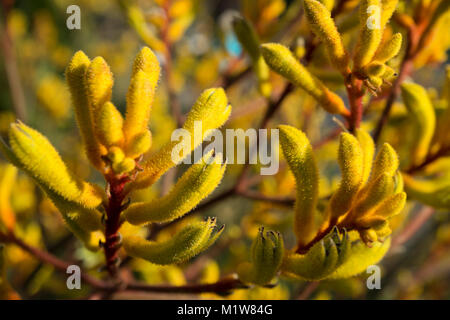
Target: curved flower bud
<point>300,157</point>
<point>381,188</point>
<point>109,125</point>
<point>140,144</point>
<point>389,49</point>
<point>248,38</point>
<point>351,162</point>
<point>141,93</point>
<point>321,260</point>
<point>33,153</point>
<point>386,162</point>
<point>266,258</point>
<point>321,23</point>
<point>197,183</point>
<point>99,83</point>
<point>422,113</point>
<point>368,149</point>
<point>392,206</point>
<point>139,100</point>
<point>211,110</point>
<point>387,10</point>
<point>281,60</point>
<point>124,166</point>
<point>370,32</point>
<point>435,193</point>
<point>360,257</point>
<point>187,243</point>
<point>76,80</point>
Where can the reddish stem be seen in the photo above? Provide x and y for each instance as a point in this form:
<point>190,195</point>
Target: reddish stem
<point>112,223</point>
<point>355,95</point>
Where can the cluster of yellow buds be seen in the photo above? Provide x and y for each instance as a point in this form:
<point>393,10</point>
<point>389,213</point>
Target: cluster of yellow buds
<point>369,60</point>
<point>370,193</point>
<point>373,50</point>
<point>116,147</point>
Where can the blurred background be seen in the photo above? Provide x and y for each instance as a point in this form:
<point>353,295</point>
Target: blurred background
<point>197,48</point>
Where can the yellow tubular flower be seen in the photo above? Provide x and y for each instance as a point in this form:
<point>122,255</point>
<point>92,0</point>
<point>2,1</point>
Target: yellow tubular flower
<point>389,49</point>
<point>184,245</point>
<point>281,60</point>
<point>370,32</point>
<point>423,116</point>
<point>99,83</point>
<point>435,193</point>
<point>385,162</point>
<point>141,92</point>
<point>351,162</point>
<point>196,184</point>
<point>387,10</point>
<point>360,258</point>
<point>391,206</point>
<point>249,40</point>
<point>76,80</point>
<point>266,258</point>
<point>212,110</point>
<point>321,23</point>
<point>300,157</point>
<point>124,166</point>
<point>381,188</point>
<point>368,149</point>
<point>33,153</point>
<point>139,100</point>
<point>109,125</point>
<point>140,144</point>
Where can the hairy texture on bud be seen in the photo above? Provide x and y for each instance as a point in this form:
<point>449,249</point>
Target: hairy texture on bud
<point>266,258</point>
<point>140,144</point>
<point>109,125</point>
<point>360,258</point>
<point>370,32</point>
<point>389,49</point>
<point>300,157</point>
<point>385,162</point>
<point>196,184</point>
<point>99,83</point>
<point>212,110</point>
<point>321,260</point>
<point>381,188</point>
<point>423,116</point>
<point>321,23</point>
<point>368,150</point>
<point>144,79</point>
<point>76,80</point>
<point>281,60</point>
<point>76,200</point>
<point>184,245</point>
<point>387,10</point>
<point>351,162</point>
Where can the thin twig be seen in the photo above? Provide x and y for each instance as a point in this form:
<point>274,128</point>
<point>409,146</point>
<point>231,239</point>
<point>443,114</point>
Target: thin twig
<point>11,69</point>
